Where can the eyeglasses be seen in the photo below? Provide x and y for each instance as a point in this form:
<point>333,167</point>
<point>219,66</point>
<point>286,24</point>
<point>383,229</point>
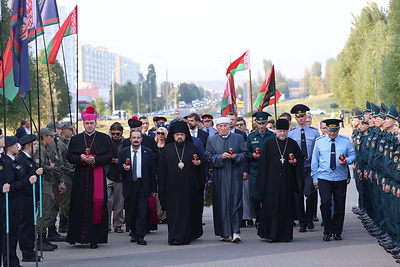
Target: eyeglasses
<point>239,124</point>
<point>161,133</point>
<point>115,133</point>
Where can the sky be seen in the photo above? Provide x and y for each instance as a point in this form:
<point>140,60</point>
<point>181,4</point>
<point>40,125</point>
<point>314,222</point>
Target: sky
<point>197,40</point>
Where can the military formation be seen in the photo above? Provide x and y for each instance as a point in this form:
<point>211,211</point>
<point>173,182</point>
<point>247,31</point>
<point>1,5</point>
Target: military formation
<point>376,139</point>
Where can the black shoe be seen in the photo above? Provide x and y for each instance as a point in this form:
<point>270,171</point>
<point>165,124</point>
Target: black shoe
<point>302,229</point>
<point>394,251</point>
<point>55,237</point>
<point>242,224</point>
<point>337,237</point>
<point>31,259</point>
<point>141,241</point>
<point>250,222</point>
<point>93,245</point>
<point>48,247</point>
<point>327,237</point>
<point>315,219</point>
<point>133,239</point>
<point>397,257</point>
<point>310,225</point>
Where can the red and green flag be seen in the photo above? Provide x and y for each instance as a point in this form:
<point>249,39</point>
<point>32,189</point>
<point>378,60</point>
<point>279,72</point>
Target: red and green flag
<point>70,26</point>
<point>242,63</point>
<point>267,90</point>
<point>229,98</point>
<point>6,64</point>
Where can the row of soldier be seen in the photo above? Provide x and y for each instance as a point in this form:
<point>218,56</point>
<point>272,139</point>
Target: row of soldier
<point>376,140</point>
<point>176,167</point>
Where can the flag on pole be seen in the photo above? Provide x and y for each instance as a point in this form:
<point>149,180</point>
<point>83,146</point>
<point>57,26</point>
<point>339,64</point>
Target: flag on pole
<point>19,39</point>
<point>267,90</point>
<point>70,26</point>
<point>229,97</point>
<point>11,90</point>
<point>274,98</point>
<point>242,63</point>
<point>49,12</point>
<point>35,24</point>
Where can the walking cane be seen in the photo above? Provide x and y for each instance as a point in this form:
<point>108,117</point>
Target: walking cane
<point>8,231</point>
<point>34,220</point>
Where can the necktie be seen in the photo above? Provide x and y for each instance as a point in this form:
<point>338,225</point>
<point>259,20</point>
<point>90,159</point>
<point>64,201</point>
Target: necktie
<point>333,155</point>
<point>303,143</point>
<point>208,131</point>
<point>134,163</point>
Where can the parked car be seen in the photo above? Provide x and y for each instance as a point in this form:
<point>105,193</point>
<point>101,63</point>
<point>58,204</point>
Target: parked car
<point>316,111</point>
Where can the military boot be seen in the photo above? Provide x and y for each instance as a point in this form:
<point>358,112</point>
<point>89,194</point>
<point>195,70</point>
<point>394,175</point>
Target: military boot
<point>63,227</point>
<point>45,245</point>
<point>54,236</point>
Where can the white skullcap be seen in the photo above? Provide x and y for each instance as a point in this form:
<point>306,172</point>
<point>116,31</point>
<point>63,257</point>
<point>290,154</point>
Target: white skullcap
<point>222,120</point>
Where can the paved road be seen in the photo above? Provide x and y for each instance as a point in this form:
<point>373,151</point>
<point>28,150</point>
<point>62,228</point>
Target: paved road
<point>307,249</point>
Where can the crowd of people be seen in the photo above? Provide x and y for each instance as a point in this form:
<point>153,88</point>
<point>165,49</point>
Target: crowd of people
<point>269,177</point>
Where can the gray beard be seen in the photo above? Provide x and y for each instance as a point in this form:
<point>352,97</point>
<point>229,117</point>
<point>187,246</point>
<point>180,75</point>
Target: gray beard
<point>282,138</point>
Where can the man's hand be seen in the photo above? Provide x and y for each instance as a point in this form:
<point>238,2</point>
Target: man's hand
<point>226,155</point>
<point>348,181</point>
<point>39,171</point>
<point>126,167</point>
<point>342,162</point>
<point>62,188</point>
<point>292,161</point>
<point>316,185</point>
<point>196,162</point>
<point>6,188</point>
<point>256,155</point>
<point>32,179</point>
<point>245,176</point>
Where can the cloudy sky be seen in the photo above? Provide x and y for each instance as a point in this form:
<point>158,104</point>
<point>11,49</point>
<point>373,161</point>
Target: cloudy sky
<point>196,40</point>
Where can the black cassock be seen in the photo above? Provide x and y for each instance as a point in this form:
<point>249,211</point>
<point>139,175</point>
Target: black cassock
<point>181,192</point>
<point>277,183</point>
<point>81,227</point>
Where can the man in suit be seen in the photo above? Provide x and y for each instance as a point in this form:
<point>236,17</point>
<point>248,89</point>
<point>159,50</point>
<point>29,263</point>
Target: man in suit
<point>193,121</point>
<point>145,126</point>
<point>21,132</point>
<point>233,119</point>
<point>138,182</point>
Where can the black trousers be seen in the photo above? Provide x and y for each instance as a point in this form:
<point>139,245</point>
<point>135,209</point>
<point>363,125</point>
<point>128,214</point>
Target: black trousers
<point>13,232</point>
<point>136,205</point>
<point>26,237</point>
<point>333,223</point>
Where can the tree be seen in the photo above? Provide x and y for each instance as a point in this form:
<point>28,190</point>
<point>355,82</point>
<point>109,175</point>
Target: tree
<point>189,92</point>
<point>316,69</point>
<point>125,96</point>
<point>329,72</point>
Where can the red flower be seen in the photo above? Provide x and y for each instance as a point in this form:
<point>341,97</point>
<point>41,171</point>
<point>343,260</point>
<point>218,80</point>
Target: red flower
<point>90,110</point>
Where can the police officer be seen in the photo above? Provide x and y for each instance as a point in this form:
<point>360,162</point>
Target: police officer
<point>68,172</point>
<point>255,144</point>
<point>305,137</point>
<point>26,238</point>
<point>208,124</point>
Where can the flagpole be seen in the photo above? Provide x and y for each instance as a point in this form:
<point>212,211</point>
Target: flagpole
<point>251,98</point>
<point>77,82</point>
<point>5,131</point>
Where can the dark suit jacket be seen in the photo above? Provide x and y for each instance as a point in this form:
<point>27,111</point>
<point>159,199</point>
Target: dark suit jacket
<point>241,133</point>
<point>148,171</point>
<point>203,136</point>
<point>21,132</point>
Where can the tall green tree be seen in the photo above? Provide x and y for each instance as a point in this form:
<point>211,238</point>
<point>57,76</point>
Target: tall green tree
<point>189,92</point>
<point>329,72</point>
<point>390,86</point>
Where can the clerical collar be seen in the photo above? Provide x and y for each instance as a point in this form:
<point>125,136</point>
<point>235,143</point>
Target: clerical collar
<point>29,156</point>
<point>11,157</point>
<point>90,134</point>
<point>226,136</point>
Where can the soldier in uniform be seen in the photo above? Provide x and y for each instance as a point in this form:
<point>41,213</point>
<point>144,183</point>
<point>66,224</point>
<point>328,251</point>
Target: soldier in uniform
<point>26,237</point>
<point>57,182</point>
<point>68,172</point>
<point>255,144</point>
<point>15,177</point>
<point>208,124</point>
<point>43,160</point>
<point>305,137</point>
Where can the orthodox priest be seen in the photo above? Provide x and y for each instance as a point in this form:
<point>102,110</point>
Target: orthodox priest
<point>181,181</point>
<point>90,151</point>
<point>279,177</point>
<point>226,154</point>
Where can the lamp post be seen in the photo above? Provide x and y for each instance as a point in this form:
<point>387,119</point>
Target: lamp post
<point>148,82</point>
<point>112,86</point>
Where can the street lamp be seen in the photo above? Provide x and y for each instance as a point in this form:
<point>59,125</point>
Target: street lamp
<point>148,81</point>
<point>112,86</point>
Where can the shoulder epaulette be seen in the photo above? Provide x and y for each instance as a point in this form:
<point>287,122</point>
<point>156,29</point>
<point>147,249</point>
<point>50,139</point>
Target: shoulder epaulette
<point>319,137</point>
<point>343,136</point>
<point>313,128</point>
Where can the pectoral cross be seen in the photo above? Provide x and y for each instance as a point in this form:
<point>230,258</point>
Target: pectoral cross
<point>282,160</point>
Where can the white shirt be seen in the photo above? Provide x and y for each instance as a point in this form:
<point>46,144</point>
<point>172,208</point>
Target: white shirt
<point>29,156</point>
<point>138,161</point>
<point>194,133</point>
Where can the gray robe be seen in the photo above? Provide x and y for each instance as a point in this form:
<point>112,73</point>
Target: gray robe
<point>227,182</point>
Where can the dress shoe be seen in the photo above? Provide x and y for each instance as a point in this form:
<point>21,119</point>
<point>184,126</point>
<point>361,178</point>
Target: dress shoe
<point>327,237</point>
<point>236,238</point>
<point>133,239</point>
<point>394,251</point>
<point>337,237</point>
<point>310,225</point>
<point>141,241</point>
<point>315,219</point>
<point>397,256</point>
<point>242,224</point>
<point>302,229</point>
<point>118,229</point>
<point>55,237</point>
<point>250,222</point>
<point>93,245</point>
